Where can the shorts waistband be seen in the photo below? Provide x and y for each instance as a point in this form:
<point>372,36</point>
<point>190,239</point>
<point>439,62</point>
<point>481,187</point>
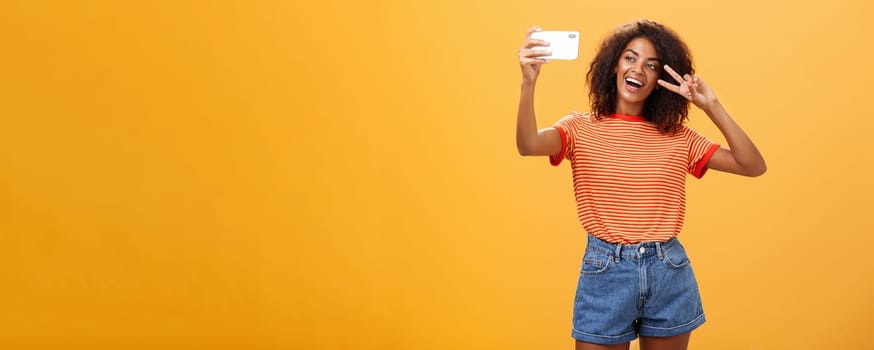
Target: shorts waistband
<point>631,251</point>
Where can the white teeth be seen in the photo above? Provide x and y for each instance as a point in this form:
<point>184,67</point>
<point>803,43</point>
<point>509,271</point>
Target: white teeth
<point>635,81</point>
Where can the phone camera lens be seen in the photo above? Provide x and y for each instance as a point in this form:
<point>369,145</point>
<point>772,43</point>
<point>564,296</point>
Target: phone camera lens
<point>571,35</point>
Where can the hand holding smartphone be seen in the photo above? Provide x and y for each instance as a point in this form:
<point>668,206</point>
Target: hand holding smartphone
<point>563,44</point>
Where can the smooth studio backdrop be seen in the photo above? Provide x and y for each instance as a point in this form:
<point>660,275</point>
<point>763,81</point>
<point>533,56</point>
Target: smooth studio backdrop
<point>327,175</point>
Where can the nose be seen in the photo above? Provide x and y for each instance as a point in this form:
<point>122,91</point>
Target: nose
<point>638,67</point>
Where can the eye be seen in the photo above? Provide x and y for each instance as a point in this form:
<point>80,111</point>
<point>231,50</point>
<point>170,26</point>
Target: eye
<point>629,58</point>
<point>652,67</point>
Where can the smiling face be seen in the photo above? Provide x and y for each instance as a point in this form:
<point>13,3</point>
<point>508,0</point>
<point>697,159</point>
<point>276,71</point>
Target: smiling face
<point>636,74</point>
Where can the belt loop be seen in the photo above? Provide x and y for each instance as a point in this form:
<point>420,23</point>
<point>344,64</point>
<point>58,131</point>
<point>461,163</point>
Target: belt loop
<point>659,250</point>
<point>618,251</point>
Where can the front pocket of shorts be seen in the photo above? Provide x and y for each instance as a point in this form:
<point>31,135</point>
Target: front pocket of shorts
<point>676,257</point>
<point>595,263</point>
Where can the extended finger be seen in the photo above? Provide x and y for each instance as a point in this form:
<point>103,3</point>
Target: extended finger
<point>532,30</point>
<point>673,73</point>
<point>534,53</point>
<point>532,61</point>
<point>534,42</point>
<point>669,86</point>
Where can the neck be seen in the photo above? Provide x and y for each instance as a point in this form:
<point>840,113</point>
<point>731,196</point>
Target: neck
<point>626,108</point>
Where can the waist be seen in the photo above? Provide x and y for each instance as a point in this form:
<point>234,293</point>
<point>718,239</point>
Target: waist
<point>634,250</point>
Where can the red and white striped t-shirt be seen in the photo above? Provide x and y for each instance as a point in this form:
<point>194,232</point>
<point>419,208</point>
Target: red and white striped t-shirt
<point>630,178</point>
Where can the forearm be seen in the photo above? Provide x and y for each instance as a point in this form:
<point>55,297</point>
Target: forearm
<point>526,122</point>
<point>742,148</point>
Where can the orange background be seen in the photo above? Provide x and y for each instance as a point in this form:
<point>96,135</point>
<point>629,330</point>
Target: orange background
<point>325,175</point>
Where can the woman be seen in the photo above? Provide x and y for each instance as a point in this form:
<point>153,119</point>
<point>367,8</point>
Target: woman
<point>630,156</point>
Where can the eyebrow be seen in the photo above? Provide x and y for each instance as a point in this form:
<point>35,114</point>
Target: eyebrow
<point>648,59</point>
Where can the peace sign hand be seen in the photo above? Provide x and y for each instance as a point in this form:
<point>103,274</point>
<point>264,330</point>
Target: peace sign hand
<point>691,87</point>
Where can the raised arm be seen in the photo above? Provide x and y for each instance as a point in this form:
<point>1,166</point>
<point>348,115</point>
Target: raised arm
<point>742,157</point>
<point>529,140</point>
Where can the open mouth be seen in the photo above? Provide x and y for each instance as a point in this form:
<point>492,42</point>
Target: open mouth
<point>634,82</point>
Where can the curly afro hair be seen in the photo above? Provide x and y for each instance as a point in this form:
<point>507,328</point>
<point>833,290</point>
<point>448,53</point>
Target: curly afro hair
<point>667,110</point>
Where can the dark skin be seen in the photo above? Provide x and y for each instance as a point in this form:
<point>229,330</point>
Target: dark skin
<point>639,62</point>
<point>742,157</point>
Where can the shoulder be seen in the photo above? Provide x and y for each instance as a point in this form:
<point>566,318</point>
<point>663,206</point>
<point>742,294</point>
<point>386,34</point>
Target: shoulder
<point>575,117</point>
<point>687,132</point>
<point>694,139</point>
<point>582,115</point>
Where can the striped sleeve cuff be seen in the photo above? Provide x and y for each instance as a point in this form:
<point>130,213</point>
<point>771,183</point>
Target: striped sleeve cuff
<point>555,159</point>
<point>701,166</point>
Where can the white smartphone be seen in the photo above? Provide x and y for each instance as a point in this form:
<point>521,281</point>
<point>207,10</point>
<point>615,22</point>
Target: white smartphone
<point>564,44</point>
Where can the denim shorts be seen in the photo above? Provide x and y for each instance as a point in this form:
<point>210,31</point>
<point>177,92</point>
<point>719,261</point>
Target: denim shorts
<point>626,290</point>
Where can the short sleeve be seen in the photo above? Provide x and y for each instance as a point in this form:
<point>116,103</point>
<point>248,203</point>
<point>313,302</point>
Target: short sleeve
<point>701,149</point>
<point>566,128</point>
